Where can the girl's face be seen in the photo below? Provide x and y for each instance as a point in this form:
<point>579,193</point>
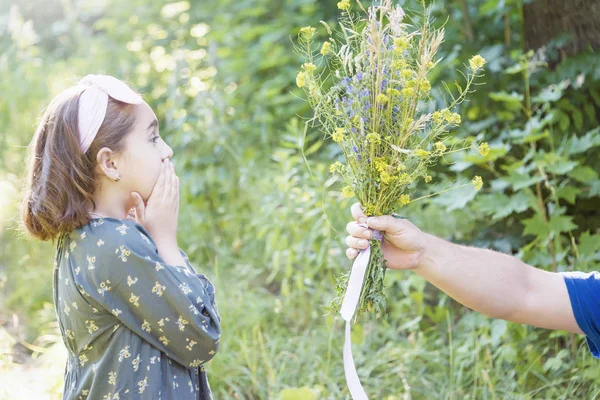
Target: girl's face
<point>143,154</point>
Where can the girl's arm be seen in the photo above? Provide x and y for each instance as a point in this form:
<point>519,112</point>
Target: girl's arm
<point>118,269</point>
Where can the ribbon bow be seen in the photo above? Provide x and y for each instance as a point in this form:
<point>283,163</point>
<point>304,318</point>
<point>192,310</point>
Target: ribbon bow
<point>93,102</point>
<point>349,304</point>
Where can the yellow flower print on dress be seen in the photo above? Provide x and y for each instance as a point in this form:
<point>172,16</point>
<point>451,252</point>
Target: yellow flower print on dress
<point>104,287</point>
<point>159,266</point>
<point>131,281</point>
<point>72,246</point>
<point>136,363</point>
<point>100,242</point>
<point>143,384</point>
<point>122,229</point>
<point>164,340</point>
<point>124,353</point>
<point>146,326</point>
<point>158,289</point>
<point>185,288</point>
<point>83,359</point>
<point>124,253</point>
<point>91,326</point>
<point>112,378</point>
<point>181,322</point>
<point>134,300</point>
<point>91,262</point>
<point>191,344</point>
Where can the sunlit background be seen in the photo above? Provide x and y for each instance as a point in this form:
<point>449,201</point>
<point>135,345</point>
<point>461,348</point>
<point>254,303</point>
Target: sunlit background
<point>220,76</point>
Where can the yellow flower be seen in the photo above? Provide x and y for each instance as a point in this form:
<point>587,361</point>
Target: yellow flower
<point>438,116</point>
<point>301,79</point>
<point>347,192</point>
<point>392,92</point>
<point>454,118</point>
<point>374,138</point>
<point>429,64</point>
<point>404,200</point>
<point>476,62</point>
<point>385,177</point>
<point>335,167</point>
<point>309,67</point>
<point>400,44</point>
<point>422,153</point>
<point>326,49</point>
<point>408,91</point>
<point>427,178</point>
<point>382,98</point>
<point>425,85</point>
<point>344,5</point>
<point>398,64</point>
<point>439,146</point>
<point>338,135</point>
<point>477,182</point>
<point>406,73</point>
<point>404,179</point>
<point>484,149</point>
<point>307,32</point>
<point>369,209</point>
<point>401,167</point>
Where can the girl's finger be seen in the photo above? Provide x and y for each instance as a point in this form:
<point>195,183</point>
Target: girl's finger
<point>159,186</point>
<point>356,230</point>
<point>356,243</point>
<point>351,253</point>
<point>168,177</point>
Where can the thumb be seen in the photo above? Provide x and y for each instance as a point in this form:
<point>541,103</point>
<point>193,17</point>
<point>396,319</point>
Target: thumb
<point>383,223</point>
<point>138,204</point>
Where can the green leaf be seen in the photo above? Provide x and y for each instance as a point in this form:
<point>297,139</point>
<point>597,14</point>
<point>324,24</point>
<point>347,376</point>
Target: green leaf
<point>456,199</point>
<point>551,93</point>
<point>501,206</point>
<point>569,193</point>
<point>588,244</point>
<point>535,226</point>
<point>583,174</point>
<point>512,100</point>
<point>562,167</point>
<point>561,223</point>
<point>576,145</point>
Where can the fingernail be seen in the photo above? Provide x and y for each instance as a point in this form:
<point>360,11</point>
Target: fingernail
<point>372,220</point>
<point>362,220</point>
<point>362,243</point>
<point>367,234</point>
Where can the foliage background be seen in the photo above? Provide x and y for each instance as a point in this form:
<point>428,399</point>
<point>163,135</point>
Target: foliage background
<point>220,77</point>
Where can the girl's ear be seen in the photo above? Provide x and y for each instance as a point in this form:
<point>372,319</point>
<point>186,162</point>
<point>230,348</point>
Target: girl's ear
<point>108,164</point>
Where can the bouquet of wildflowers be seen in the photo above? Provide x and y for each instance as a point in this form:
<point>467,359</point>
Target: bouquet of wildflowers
<point>369,89</point>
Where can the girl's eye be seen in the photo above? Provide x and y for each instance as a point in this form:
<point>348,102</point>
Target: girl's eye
<point>155,138</point>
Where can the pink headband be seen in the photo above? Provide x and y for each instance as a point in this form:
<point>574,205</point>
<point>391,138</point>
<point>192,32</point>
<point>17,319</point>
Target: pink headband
<point>94,100</point>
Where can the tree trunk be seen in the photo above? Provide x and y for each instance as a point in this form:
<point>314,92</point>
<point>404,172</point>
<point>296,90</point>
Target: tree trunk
<point>547,19</point>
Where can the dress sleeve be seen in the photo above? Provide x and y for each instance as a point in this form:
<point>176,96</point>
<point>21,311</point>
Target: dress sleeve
<point>584,292</point>
<point>169,306</point>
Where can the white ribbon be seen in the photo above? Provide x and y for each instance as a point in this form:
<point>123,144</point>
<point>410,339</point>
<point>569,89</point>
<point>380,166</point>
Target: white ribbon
<point>349,304</point>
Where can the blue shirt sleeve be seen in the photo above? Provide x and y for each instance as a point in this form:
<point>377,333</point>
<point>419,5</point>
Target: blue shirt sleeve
<point>584,292</point>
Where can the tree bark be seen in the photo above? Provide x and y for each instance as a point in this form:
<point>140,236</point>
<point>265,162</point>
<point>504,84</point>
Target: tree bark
<point>545,20</point>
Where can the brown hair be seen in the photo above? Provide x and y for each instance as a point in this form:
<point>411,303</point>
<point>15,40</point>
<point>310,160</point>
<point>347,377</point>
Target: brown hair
<point>61,178</point>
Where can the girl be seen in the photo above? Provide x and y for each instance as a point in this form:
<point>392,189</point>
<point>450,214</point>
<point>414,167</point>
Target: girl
<point>137,320</point>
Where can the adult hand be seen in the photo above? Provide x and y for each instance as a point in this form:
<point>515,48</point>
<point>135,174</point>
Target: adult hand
<point>403,244</point>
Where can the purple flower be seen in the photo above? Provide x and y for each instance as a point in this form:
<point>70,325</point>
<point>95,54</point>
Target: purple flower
<point>359,76</point>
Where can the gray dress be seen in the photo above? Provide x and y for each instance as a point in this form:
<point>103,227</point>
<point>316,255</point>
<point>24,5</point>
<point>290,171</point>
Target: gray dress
<point>134,327</point>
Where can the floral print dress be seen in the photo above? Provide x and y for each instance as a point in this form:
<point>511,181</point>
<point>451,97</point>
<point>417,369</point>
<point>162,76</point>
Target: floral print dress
<point>134,327</point>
